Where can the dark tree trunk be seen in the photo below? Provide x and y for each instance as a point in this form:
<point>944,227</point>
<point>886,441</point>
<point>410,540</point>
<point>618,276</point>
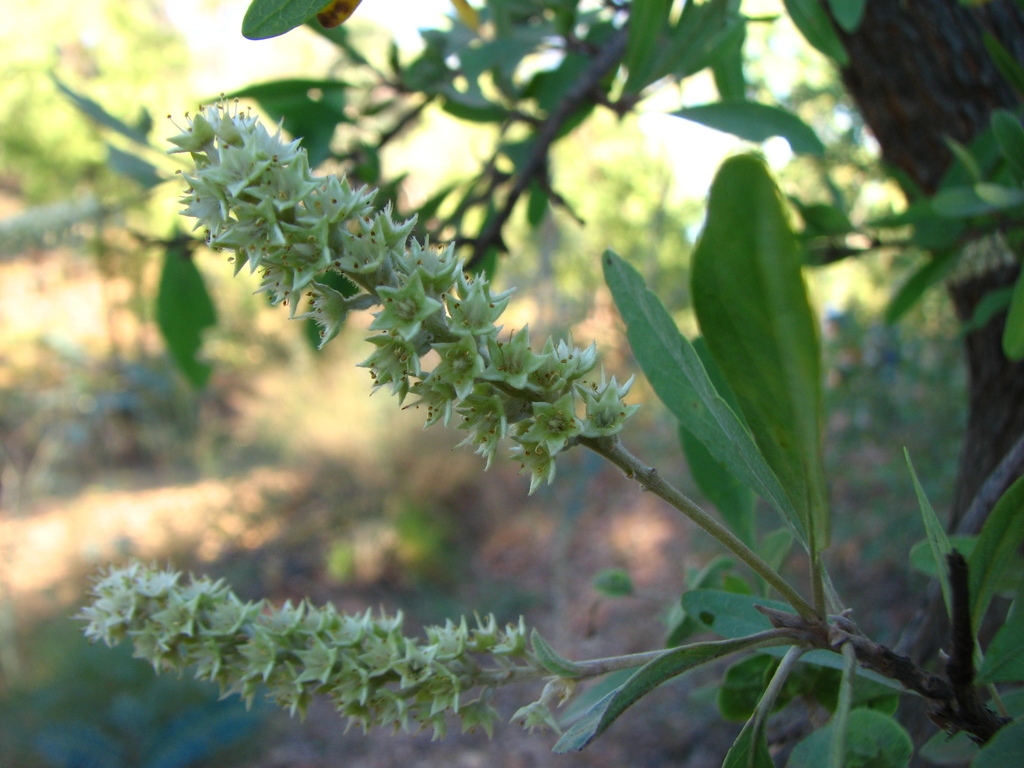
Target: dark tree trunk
<point>919,73</point>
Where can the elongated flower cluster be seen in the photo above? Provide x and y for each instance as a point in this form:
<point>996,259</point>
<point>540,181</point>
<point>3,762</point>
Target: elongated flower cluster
<point>255,195</point>
<point>375,675</point>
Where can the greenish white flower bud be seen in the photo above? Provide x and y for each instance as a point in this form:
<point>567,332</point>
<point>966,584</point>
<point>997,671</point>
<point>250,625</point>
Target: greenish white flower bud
<point>254,194</point>
<point>374,674</point>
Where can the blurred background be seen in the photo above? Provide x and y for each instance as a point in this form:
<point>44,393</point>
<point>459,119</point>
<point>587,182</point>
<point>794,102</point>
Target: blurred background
<point>283,476</point>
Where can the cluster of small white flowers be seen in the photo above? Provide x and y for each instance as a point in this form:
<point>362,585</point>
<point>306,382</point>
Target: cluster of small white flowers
<point>255,195</point>
<point>374,674</point>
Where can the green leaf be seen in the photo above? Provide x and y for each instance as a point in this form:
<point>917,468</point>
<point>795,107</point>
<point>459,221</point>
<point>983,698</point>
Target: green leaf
<point>943,749</point>
<point>847,13</point>
<point>751,303</point>
<point>552,661</point>
<point>536,205</point>
<point>705,32</point>
<point>99,115</point>
<point>1010,136</point>
<point>729,614</point>
<point>1005,750</point>
<point>656,49</point>
<point>183,312</point>
<point>742,685</point>
<point>1004,657</point>
<point>994,551</point>
<point>648,20</point>
<point>938,541</point>
<point>309,109</point>
<point>733,615</point>
<point>676,374</point>
<point>981,199</point>
<point>873,740</point>
<point>711,576</point>
<point>821,219</point>
<point>934,270</point>
<point>750,750</point>
<point>734,501</point>
<point>582,702</point>
<point>922,558</point>
<point>670,664</point>
<point>470,107</point>
<point>270,18</point>
<point>134,167</point>
<point>1005,62</point>
<point>991,304</point>
<point>810,18</point>
<point>727,68</point>
<point>774,547</point>
<point>613,582</point>
<point>1013,331</point>
<point>755,122</point>
<point>966,159</point>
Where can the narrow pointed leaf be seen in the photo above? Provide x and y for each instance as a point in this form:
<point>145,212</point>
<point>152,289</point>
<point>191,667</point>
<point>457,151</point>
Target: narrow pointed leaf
<point>1005,62</point>
<point>756,122</point>
<point>674,370</point>
<point>1010,136</point>
<point>134,167</point>
<point>750,750</point>
<point>733,499</point>
<point>938,541</point>
<point>847,13</point>
<point>994,551</point>
<point>648,20</point>
<point>1004,657</point>
<point>810,18</point>
<point>751,302</point>
<point>183,311</point>
<point>1013,331</point>
<point>270,18</point>
<point>930,273</point>
<point>670,664</point>
<point>552,661</point>
<point>94,111</point>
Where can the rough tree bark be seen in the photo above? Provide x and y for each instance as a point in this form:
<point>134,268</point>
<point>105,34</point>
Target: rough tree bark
<point>919,73</point>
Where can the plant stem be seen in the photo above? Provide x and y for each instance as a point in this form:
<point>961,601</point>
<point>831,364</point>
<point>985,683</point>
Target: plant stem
<point>844,703</point>
<point>771,693</point>
<point>611,448</point>
<point>766,639</point>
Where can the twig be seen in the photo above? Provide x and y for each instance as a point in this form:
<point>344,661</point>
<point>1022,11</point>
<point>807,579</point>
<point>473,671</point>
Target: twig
<point>605,61</point>
<point>652,481</point>
<point>965,711</point>
<point>999,480</point>
<point>955,702</point>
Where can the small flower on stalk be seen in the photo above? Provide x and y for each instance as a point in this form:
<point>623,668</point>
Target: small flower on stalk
<point>512,361</point>
<point>475,311</point>
<point>553,424</point>
<point>605,409</point>
<point>405,309</point>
